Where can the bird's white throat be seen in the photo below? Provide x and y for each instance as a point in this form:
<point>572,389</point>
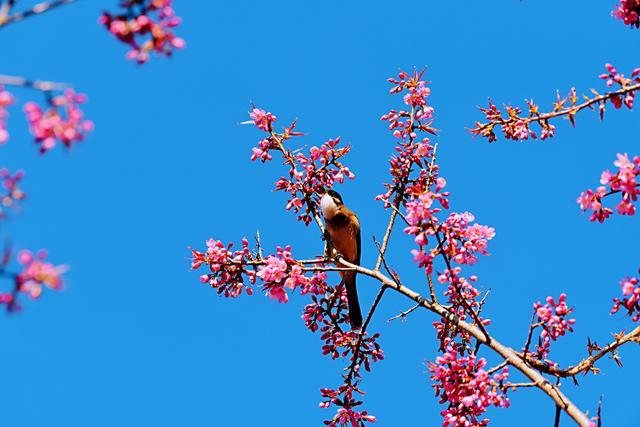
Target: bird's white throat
<point>328,206</point>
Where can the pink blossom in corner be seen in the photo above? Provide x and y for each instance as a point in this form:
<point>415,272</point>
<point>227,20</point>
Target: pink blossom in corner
<point>628,11</point>
<point>63,121</point>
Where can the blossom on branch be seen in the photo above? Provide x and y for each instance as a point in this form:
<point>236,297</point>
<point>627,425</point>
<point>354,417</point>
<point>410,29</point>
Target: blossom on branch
<point>309,174</point>
<point>466,388</point>
<point>628,11</point>
<point>517,126</point>
<point>622,182</point>
<point>411,152</point>
<point>631,298</point>
<point>12,191</point>
<point>6,99</point>
<point>35,274</point>
<point>62,121</point>
<point>552,318</point>
<point>146,26</point>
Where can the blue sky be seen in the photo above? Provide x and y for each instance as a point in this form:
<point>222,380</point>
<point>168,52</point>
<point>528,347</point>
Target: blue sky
<point>135,339</point>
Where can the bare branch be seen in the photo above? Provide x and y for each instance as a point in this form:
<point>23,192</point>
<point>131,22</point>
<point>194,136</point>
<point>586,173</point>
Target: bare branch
<point>41,85</point>
<point>403,314</point>
<point>35,10</point>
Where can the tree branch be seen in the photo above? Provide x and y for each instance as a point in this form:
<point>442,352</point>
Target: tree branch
<point>35,10</point>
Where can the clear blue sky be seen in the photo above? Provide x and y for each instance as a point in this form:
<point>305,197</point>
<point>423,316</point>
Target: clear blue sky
<point>135,339</point>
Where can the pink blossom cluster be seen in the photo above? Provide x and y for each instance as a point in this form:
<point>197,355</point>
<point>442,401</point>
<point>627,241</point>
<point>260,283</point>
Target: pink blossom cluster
<point>628,11</point>
<point>6,99</point>
<point>309,174</point>
<point>461,294</point>
<point>227,268</point>
<point>231,272</point>
<point>631,298</point>
<point>63,120</point>
<point>613,78</point>
<point>458,238</point>
<point>13,193</point>
<point>622,182</point>
<point>552,318</point>
<point>411,152</point>
<point>36,272</point>
<point>346,416</point>
<point>281,271</point>
<point>146,27</point>
<point>464,385</point>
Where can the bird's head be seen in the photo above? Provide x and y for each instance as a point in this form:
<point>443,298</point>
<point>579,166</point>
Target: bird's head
<point>330,204</point>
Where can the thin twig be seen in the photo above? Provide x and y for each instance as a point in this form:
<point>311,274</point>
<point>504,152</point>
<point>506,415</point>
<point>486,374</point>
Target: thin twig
<point>403,314</point>
<point>35,10</point>
<point>41,85</point>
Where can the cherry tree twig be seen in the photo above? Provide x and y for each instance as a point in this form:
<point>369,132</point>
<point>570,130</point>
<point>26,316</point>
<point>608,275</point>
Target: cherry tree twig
<point>35,10</point>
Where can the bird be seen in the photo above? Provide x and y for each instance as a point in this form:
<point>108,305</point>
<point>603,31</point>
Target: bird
<point>343,233</point>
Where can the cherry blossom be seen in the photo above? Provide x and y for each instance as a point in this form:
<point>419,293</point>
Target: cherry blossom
<point>309,174</point>
<point>62,121</point>
<point>628,11</point>
<point>6,99</point>
<point>552,318</point>
<point>631,298</point>
<point>12,192</point>
<point>517,126</point>
<point>464,385</point>
<point>622,182</point>
<point>36,273</point>
<point>146,26</point>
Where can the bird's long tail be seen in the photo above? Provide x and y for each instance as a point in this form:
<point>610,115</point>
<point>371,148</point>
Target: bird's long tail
<point>355,315</point>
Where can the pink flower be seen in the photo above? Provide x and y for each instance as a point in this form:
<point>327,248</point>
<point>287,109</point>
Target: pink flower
<point>262,119</point>
<point>37,272</point>
<point>6,99</point>
<point>623,182</point>
<point>13,193</point>
<point>631,301</point>
<point>146,26</point>
<point>279,294</point>
<point>274,270</point>
<point>628,11</point>
<point>552,317</point>
<point>63,121</point>
<point>466,388</point>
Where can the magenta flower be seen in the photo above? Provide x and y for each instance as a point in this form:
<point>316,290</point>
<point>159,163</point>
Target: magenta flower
<point>467,389</point>
<point>13,193</point>
<point>552,317</point>
<point>37,272</point>
<point>146,27</point>
<point>63,121</point>
<point>6,99</point>
<point>631,301</point>
<point>628,11</point>
<point>623,182</point>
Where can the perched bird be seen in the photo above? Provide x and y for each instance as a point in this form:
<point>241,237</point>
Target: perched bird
<point>343,230</point>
